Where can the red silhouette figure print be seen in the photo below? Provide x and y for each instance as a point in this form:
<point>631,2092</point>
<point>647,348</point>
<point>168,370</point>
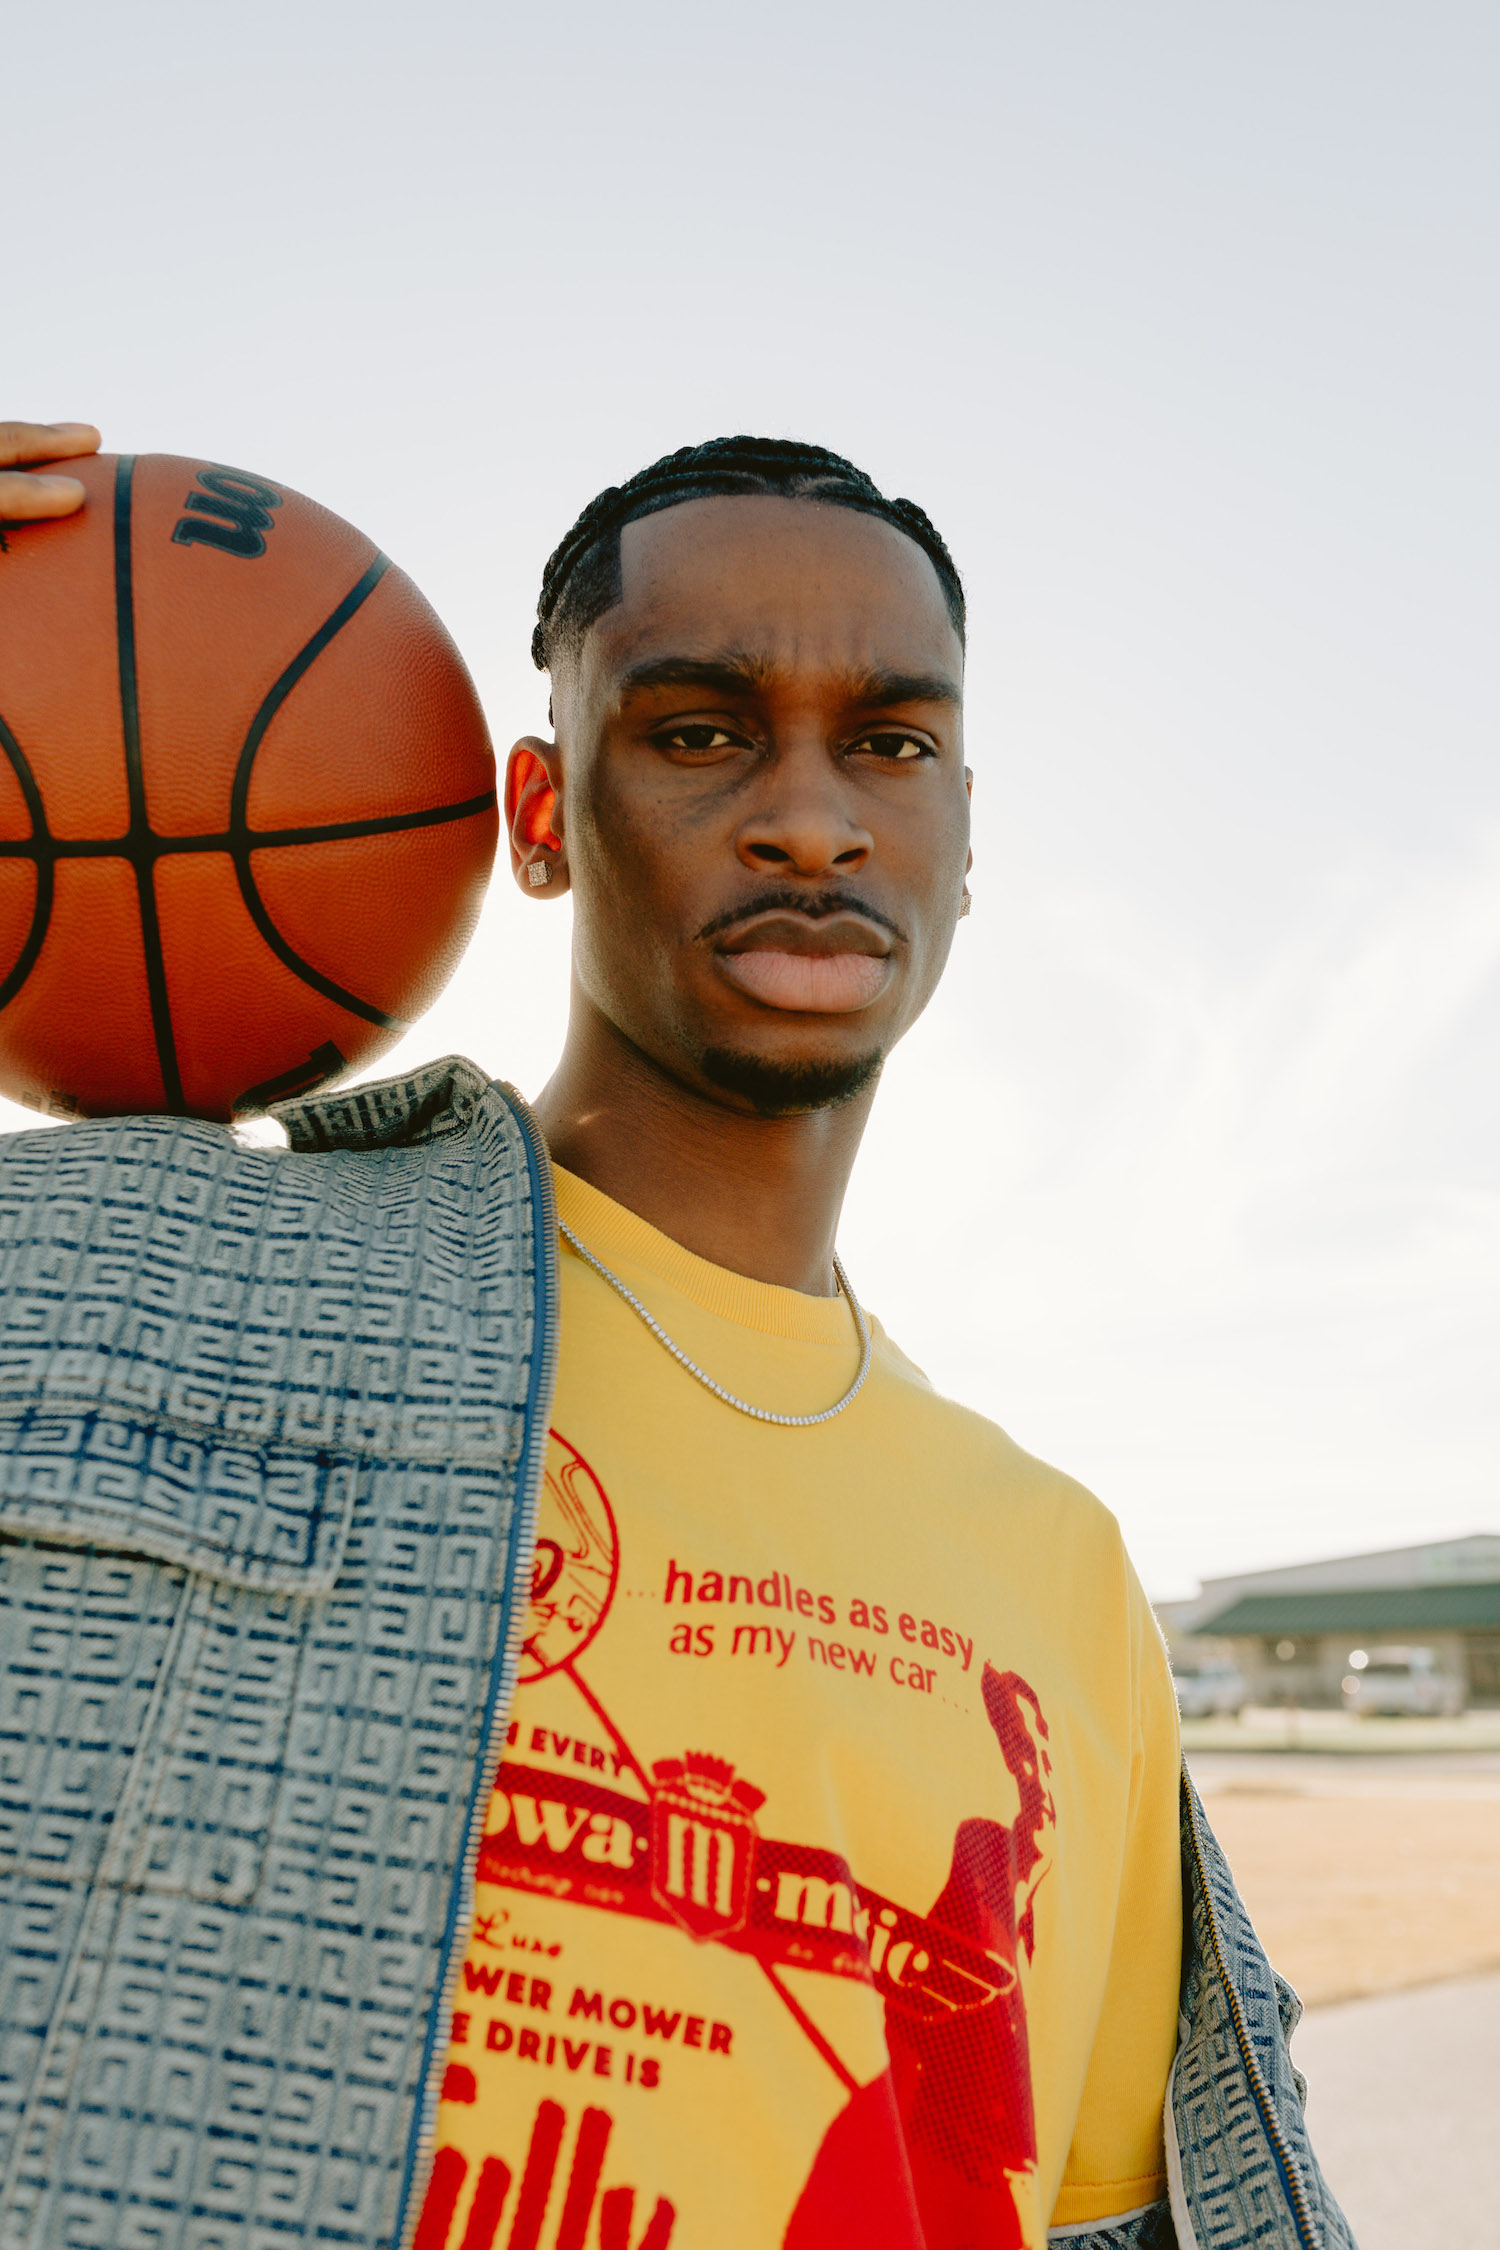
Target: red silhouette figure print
<point>929,2155</point>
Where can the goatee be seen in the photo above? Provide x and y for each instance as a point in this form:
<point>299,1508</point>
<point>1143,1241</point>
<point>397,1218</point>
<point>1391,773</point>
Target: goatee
<point>790,1089</point>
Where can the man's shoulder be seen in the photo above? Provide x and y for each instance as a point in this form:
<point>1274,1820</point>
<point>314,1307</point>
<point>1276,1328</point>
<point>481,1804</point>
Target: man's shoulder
<point>980,1455</point>
<point>436,1104</point>
<point>377,1284</point>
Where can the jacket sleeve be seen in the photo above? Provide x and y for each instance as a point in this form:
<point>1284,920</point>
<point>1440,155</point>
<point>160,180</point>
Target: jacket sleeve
<point>1240,2166</point>
<point>1150,2229</point>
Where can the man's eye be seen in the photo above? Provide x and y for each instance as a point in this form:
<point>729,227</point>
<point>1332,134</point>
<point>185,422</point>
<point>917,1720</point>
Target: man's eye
<point>889,744</point>
<point>702,737</point>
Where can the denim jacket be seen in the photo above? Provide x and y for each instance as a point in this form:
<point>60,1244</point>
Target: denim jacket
<point>272,1426</point>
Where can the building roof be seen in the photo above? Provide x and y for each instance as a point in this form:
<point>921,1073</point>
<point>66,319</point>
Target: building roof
<point>1368,1609</point>
<point>1435,1562</point>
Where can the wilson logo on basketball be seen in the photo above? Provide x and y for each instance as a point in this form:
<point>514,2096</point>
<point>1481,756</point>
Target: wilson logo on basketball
<point>232,513</point>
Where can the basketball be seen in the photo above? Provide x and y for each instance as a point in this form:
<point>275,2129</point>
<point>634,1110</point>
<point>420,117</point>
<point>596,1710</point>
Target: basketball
<point>247,796</point>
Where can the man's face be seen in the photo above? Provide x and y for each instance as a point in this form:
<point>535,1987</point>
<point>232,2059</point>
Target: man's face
<point>762,797</point>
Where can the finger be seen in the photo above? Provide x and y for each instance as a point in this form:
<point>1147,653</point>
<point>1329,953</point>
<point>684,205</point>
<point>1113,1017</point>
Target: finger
<point>32,499</point>
<point>45,441</point>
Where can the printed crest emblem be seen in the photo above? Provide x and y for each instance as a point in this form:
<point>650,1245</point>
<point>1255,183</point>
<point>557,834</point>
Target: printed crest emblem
<point>702,1842</point>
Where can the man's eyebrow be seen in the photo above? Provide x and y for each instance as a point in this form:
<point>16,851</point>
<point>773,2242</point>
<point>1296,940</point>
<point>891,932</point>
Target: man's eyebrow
<point>733,674</point>
<point>738,675</point>
<point>883,687</point>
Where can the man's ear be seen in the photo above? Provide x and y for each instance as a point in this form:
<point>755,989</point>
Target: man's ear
<point>533,792</point>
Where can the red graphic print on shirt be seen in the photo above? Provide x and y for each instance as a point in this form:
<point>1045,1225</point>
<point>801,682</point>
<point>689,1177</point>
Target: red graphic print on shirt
<point>924,2157</point>
<point>548,2160</point>
<point>926,2154</point>
<point>575,1564</point>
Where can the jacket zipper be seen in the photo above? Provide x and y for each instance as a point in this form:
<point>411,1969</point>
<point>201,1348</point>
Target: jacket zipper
<point>529,1485</point>
<point>1308,2230</point>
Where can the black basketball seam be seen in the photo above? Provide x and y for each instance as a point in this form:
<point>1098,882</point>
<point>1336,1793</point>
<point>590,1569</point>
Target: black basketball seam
<point>41,906</point>
<point>304,969</point>
<point>240,844</point>
<point>138,850</point>
<point>314,1070</point>
<point>48,849</point>
<point>380,824</point>
<point>280,689</point>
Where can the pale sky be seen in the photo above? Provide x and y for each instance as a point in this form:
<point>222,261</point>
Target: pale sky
<point>1182,323</point>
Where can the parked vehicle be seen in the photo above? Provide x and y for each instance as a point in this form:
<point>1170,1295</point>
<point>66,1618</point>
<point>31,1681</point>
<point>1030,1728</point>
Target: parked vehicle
<point>1209,1687</point>
<point>1400,1683</point>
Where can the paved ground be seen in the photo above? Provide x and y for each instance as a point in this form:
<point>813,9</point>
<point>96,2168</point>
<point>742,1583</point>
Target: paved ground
<point>1367,1870</point>
<point>1369,1856</point>
<point>1337,1734</point>
<point>1403,2098</point>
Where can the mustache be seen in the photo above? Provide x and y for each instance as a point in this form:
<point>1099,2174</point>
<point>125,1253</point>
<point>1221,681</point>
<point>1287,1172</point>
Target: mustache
<point>815,905</point>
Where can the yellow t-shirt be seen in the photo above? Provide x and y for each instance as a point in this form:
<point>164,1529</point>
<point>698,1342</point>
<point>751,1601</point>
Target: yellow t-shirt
<point>829,1897</point>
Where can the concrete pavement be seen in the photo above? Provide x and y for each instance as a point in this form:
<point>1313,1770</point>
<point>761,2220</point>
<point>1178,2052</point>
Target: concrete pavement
<point>1404,2111</point>
<point>1369,1856</point>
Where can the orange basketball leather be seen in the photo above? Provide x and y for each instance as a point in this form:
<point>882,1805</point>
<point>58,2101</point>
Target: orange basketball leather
<point>247,796</point>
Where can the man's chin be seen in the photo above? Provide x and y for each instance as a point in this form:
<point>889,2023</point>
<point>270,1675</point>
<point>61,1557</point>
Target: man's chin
<point>790,1089</point>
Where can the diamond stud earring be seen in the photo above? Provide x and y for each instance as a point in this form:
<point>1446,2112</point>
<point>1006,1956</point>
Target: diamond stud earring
<point>539,872</point>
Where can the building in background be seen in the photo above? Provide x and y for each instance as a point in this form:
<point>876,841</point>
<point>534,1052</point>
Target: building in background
<point>1292,1632</point>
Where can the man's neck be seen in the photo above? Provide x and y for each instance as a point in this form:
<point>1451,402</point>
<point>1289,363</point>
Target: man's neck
<point>760,1196</point>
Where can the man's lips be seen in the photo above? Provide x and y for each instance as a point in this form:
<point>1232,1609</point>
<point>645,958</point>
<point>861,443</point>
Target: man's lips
<point>820,984</point>
<point>834,966</point>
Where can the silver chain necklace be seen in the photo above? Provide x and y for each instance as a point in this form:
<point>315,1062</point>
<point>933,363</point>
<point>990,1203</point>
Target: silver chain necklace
<point>740,1405</point>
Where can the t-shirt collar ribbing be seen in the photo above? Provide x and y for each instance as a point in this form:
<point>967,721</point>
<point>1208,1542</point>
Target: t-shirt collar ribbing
<point>623,1241</point>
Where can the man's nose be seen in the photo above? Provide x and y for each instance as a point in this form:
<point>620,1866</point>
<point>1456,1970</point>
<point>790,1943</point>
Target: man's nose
<point>806,823</point>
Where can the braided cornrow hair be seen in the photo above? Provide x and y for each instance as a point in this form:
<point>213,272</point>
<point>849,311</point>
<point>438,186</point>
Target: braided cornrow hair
<point>582,577</point>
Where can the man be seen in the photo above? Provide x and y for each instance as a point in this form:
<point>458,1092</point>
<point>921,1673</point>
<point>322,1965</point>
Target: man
<point>828,1891</point>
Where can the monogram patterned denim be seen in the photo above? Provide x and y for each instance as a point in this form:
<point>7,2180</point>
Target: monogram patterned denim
<point>271,1427</point>
<point>1241,2166</point>
<point>1150,2229</point>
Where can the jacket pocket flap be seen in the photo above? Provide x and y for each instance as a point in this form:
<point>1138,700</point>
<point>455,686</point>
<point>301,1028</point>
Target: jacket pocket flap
<point>273,1517</point>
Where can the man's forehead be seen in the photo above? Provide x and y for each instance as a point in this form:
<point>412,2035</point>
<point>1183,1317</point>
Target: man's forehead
<point>777,582</point>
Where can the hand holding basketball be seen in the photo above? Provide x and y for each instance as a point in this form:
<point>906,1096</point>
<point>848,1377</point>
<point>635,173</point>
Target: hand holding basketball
<point>31,498</point>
